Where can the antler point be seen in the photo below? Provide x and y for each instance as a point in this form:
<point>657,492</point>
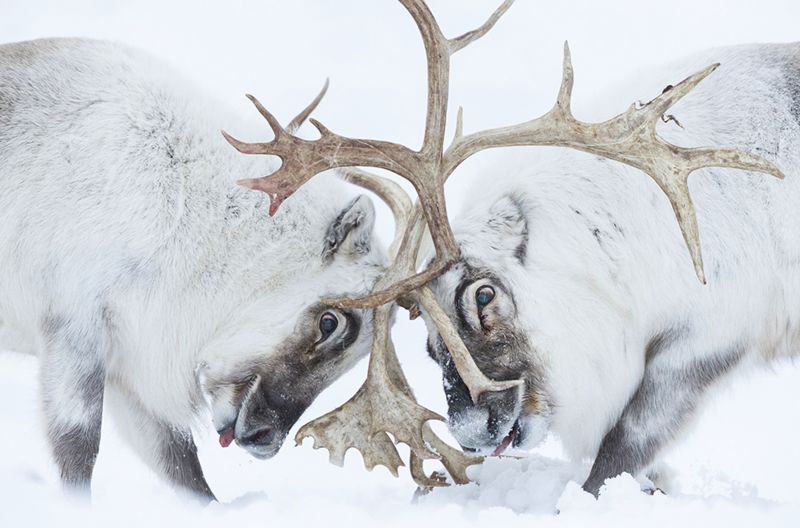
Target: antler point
<point>319,126</point>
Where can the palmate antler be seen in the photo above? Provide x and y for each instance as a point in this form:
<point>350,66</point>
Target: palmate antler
<point>385,402</point>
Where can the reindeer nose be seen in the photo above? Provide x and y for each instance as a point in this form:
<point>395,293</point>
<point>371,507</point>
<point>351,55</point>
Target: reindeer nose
<point>259,436</point>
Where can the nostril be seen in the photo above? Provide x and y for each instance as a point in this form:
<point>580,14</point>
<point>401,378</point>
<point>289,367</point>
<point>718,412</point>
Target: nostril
<point>264,435</point>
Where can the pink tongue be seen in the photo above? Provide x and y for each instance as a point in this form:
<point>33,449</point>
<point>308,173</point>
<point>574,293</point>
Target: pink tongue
<point>504,444</point>
<point>226,437</point>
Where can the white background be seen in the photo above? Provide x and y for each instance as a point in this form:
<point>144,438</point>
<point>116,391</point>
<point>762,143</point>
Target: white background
<point>739,465</point>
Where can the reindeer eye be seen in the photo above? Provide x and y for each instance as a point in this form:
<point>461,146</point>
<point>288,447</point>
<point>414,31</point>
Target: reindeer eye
<point>327,324</point>
<point>484,296</point>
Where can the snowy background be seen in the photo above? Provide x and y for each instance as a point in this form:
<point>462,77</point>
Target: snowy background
<point>737,468</point>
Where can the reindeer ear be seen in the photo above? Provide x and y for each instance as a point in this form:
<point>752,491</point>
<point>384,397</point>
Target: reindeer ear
<point>508,227</point>
<point>351,232</point>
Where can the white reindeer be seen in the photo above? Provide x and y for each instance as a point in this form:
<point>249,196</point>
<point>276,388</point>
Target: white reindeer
<point>143,276</point>
<point>574,277</point>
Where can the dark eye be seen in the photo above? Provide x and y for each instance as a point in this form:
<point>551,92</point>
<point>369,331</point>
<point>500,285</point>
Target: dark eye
<point>484,296</point>
<point>327,324</point>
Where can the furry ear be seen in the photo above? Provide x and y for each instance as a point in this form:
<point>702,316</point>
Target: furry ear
<point>508,227</point>
<point>350,233</point>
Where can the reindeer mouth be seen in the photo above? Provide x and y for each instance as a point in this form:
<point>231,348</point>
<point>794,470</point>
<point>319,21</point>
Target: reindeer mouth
<point>511,439</point>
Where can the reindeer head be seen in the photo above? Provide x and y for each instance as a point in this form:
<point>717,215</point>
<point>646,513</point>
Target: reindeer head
<point>385,402</point>
<point>480,295</point>
<point>279,352</point>
<point>276,353</point>
<point>477,294</point>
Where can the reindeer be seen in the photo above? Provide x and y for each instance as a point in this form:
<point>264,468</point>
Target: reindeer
<point>566,302</point>
<point>571,279</point>
<point>145,279</point>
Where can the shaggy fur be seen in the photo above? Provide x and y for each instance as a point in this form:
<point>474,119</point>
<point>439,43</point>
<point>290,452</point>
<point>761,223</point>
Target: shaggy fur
<point>132,264</point>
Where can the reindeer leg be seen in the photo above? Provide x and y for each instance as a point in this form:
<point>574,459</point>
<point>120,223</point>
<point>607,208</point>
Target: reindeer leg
<point>167,450</point>
<point>72,384</point>
<point>665,400</point>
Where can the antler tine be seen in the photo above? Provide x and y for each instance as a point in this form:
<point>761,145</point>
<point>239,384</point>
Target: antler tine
<point>469,37</point>
<point>300,118</point>
<point>564,100</point>
<point>393,291</point>
<point>241,146</point>
<point>473,378</point>
<point>459,124</point>
<point>454,461</point>
<point>392,194</point>
<point>438,50</point>
<point>274,124</point>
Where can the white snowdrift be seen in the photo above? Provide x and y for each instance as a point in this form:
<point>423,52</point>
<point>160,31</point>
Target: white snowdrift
<point>737,469</point>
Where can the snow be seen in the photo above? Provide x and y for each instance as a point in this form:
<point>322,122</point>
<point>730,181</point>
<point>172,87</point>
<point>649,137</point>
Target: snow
<point>736,468</point>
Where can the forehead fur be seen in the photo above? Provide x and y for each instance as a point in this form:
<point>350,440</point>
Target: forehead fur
<point>274,315</point>
<point>493,238</point>
<point>258,329</point>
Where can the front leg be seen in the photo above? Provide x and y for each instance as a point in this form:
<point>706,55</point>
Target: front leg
<point>72,378</point>
<point>674,381</point>
<point>167,450</point>
<point>181,466</point>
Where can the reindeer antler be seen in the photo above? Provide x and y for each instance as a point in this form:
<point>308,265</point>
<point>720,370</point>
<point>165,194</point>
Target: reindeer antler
<point>303,159</point>
<point>385,402</point>
<point>630,138</point>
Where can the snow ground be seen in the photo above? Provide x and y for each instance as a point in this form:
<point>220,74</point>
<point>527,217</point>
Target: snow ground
<point>736,469</point>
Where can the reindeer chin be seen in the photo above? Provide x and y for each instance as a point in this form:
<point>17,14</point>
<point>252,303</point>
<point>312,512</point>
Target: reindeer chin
<point>263,452</point>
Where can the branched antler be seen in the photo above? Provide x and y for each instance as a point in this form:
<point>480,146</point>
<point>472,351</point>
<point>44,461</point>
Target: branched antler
<point>385,403</point>
<point>630,138</point>
<point>303,159</point>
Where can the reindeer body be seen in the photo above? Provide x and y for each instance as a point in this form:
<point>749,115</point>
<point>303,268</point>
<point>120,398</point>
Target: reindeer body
<point>129,258</point>
<point>618,341</point>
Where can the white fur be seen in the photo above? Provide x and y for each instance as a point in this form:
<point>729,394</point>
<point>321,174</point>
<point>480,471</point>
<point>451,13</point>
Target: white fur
<point>117,197</point>
<point>590,308</point>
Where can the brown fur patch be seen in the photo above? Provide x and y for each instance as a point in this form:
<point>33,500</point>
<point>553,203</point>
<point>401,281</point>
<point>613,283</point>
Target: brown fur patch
<point>532,404</point>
